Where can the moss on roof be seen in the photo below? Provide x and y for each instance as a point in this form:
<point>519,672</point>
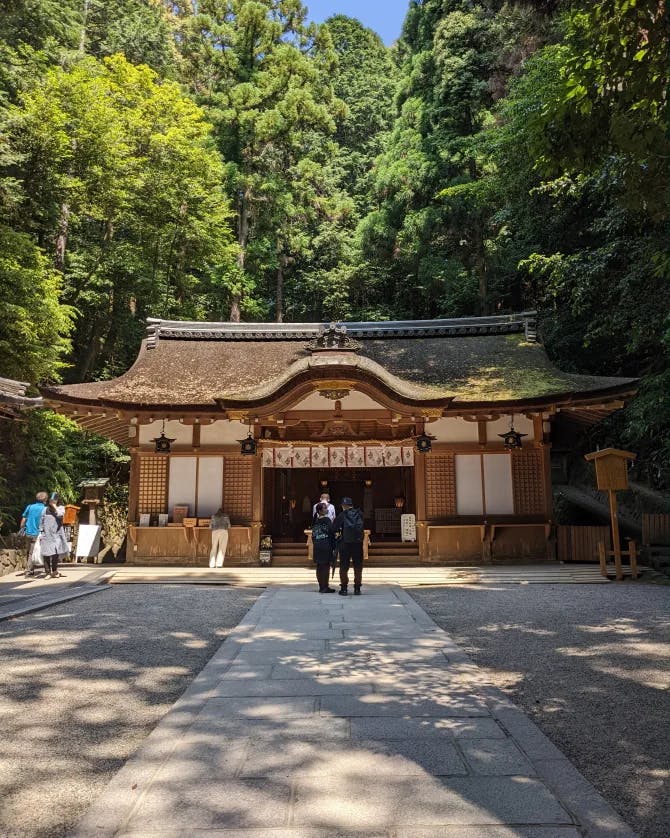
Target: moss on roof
<point>490,368</point>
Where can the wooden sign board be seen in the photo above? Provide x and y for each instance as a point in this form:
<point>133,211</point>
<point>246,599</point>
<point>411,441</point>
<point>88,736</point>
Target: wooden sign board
<point>611,468</point>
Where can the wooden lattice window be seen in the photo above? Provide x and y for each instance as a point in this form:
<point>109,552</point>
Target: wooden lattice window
<point>152,492</point>
<point>528,482</point>
<point>238,488</point>
<point>440,486</point>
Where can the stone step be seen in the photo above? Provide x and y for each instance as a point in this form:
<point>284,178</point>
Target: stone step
<point>252,575</point>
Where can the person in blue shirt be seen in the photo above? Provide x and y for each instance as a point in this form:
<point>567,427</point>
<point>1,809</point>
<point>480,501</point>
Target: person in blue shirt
<point>30,523</point>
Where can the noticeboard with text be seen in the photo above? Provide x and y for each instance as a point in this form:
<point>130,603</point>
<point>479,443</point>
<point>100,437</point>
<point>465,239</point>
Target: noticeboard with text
<point>408,527</point>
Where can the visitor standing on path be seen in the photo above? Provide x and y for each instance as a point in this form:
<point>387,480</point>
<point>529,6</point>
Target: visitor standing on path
<point>323,542</point>
<point>349,527</point>
<point>219,524</point>
<point>53,541</point>
<point>30,524</point>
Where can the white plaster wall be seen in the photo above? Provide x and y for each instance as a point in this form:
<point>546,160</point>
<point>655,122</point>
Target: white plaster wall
<point>469,499</point>
<point>223,432</point>
<point>498,484</point>
<point>181,485</point>
<point>182,434</point>
<point>210,485</point>
<point>354,401</point>
<point>500,426</point>
<point>453,430</point>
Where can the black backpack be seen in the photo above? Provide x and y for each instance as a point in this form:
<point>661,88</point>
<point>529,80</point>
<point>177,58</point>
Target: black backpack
<point>352,526</point>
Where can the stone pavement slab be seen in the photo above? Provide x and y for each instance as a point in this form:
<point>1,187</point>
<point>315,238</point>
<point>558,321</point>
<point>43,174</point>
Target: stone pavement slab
<point>381,727</point>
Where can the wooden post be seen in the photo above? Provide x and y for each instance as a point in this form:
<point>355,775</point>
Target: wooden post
<point>616,543</point>
<point>632,553</point>
<point>612,476</point>
<point>420,499</point>
<point>602,556</point>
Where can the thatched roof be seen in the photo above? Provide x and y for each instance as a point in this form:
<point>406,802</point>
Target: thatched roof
<point>466,361</point>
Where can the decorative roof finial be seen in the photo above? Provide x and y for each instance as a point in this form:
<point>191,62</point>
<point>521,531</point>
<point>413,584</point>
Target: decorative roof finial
<point>334,337</point>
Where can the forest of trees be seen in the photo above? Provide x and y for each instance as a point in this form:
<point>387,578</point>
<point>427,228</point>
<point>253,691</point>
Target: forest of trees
<point>227,159</point>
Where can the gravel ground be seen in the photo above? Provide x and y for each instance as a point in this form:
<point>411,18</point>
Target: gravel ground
<point>591,666</point>
<point>82,685</point>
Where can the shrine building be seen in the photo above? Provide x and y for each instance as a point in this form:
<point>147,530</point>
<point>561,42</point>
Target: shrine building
<point>448,421</point>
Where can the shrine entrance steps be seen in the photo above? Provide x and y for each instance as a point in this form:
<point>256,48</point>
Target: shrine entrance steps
<point>380,554</point>
<point>548,573</point>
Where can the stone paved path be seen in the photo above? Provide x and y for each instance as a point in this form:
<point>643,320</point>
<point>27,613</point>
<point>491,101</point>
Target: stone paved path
<point>19,595</point>
<point>325,716</point>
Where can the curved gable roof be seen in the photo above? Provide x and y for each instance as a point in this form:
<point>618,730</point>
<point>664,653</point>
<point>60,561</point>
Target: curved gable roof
<point>469,361</point>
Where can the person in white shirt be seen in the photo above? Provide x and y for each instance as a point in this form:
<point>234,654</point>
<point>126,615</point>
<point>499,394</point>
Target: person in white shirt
<point>220,527</point>
<point>325,498</point>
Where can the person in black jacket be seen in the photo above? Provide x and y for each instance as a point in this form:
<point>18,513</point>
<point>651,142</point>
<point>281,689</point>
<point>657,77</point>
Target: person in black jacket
<point>348,526</point>
<point>323,542</point>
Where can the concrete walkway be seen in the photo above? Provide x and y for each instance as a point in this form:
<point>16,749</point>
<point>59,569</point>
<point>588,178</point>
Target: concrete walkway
<point>19,595</point>
<point>324,716</point>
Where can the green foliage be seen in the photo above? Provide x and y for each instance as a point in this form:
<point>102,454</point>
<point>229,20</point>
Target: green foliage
<point>33,324</point>
<point>263,75</point>
<point>48,452</point>
<point>120,170</point>
<point>226,158</point>
<point>583,187</point>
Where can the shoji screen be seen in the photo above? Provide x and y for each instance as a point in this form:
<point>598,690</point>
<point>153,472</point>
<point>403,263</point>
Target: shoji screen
<point>181,486</point>
<point>469,499</point>
<point>210,485</point>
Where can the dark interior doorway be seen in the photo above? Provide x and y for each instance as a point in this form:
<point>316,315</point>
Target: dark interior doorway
<point>289,496</point>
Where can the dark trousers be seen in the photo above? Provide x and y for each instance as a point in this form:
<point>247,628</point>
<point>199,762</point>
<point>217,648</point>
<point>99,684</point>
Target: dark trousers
<point>322,574</point>
<point>351,554</point>
<point>51,563</point>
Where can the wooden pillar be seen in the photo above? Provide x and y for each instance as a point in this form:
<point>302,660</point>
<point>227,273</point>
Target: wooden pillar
<point>133,500</point>
<point>420,496</point>
<point>256,505</point>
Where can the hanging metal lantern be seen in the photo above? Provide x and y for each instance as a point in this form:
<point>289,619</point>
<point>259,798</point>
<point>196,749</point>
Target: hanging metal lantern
<point>162,443</point>
<point>248,445</point>
<point>424,443</point>
<point>512,438</point>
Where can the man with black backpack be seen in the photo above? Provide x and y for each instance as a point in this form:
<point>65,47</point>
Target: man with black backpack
<point>348,526</point>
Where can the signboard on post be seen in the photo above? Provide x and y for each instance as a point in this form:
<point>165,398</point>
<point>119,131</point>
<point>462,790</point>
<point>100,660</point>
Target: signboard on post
<point>612,477</point>
<point>611,468</point>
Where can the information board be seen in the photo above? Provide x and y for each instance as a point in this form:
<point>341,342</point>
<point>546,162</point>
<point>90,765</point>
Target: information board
<point>88,541</point>
<point>408,527</point>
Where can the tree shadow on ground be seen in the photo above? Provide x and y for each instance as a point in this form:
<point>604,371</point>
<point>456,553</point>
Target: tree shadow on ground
<point>84,682</point>
<point>591,666</point>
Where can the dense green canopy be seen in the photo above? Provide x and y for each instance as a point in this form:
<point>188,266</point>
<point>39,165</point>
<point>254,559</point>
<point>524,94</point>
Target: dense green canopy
<point>230,159</point>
